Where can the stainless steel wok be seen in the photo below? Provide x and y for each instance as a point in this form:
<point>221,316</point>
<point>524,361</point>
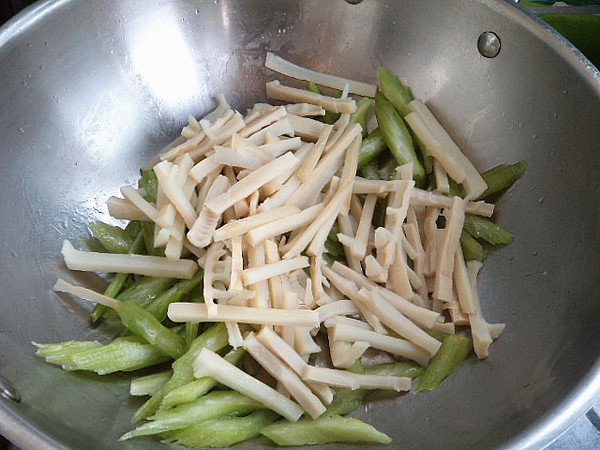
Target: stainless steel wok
<point>90,90</point>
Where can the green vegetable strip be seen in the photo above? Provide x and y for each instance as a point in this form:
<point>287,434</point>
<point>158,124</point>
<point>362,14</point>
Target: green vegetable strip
<point>120,355</point>
<point>437,335</point>
<point>191,333</point>
<point>329,117</point>
<point>133,228</point>
<point>456,189</point>
<point>312,87</point>
<point>396,135</point>
<point>197,388</point>
<point>213,405</point>
<point>149,384</point>
<point>332,245</point>
<point>114,239</point>
<point>144,324</point>
<point>359,116</point>
<point>148,228</point>
<point>472,250</point>
<point>215,338</point>
<point>380,212</point>
<point>323,430</point>
<point>149,183</point>
<point>60,353</point>
<point>160,304</point>
<point>119,279</point>
<point>398,94</point>
<point>370,171</point>
<point>145,289</point>
<point>450,356</point>
<point>483,228</point>
<point>346,401</point>
<point>396,369</point>
<point>371,147</point>
<point>223,432</point>
<point>502,177</point>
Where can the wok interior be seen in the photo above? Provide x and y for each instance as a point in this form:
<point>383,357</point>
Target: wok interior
<point>91,90</point>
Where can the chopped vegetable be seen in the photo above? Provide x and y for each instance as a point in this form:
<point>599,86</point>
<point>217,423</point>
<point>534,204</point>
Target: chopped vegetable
<point>284,67</point>
<point>324,430</point>
<point>502,177</point>
<point>452,354</point>
<point>149,384</point>
<point>259,227</point>
<point>153,266</point>
<point>119,355</point>
<point>396,135</point>
<point>213,405</point>
<point>482,228</point>
<point>396,92</point>
<point>222,432</point>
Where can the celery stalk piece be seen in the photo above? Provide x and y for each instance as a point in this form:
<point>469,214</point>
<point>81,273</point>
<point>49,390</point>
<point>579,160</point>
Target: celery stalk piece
<point>141,292</point>
<point>133,228</point>
<point>144,324</point>
<point>213,405</point>
<point>114,239</point>
<point>145,289</point>
<point>159,305</point>
<point>371,147</point>
<point>224,432</point>
<point>359,116</point>
<point>323,430</point>
<point>194,389</point>
<point>397,93</point>
<point>148,229</point>
<point>60,352</point>
<point>346,401</point>
<point>482,228</point>
<point>370,171</point>
<point>333,245</point>
<point>329,117</point>
<point>215,338</point>
<point>502,177</point>
<point>396,369</point>
<point>149,183</point>
<point>396,135</point>
<point>149,384</point>
<point>449,358</point>
<point>120,355</point>
<point>119,279</point>
<point>472,250</point>
<point>190,333</point>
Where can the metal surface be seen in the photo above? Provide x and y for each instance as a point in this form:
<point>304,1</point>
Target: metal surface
<point>8,391</point>
<point>90,90</point>
<point>489,44</point>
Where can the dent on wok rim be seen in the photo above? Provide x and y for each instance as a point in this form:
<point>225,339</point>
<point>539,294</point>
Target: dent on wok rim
<point>26,435</point>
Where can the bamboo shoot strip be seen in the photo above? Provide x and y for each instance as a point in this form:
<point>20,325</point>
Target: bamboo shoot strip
<point>279,92</point>
<point>278,64</point>
<point>153,266</point>
<point>209,364</point>
<point>197,312</point>
<point>251,183</point>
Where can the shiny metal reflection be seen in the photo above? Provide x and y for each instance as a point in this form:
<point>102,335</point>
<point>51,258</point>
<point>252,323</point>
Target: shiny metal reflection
<point>489,44</point>
<point>8,391</point>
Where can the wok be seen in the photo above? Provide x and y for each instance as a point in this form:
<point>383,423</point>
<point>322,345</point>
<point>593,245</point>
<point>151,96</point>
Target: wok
<point>91,90</point>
